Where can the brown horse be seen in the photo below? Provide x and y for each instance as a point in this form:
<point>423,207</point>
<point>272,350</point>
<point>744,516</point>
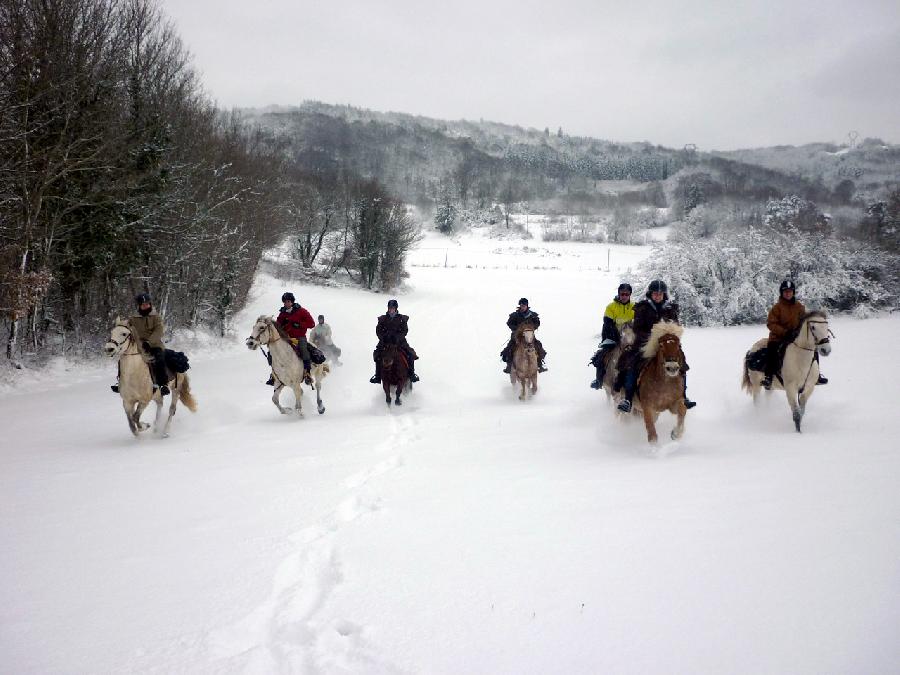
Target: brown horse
<point>524,358</point>
<point>394,371</point>
<point>626,339</point>
<point>661,381</point>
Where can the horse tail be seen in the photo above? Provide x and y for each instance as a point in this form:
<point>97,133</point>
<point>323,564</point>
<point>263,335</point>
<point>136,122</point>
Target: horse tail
<point>184,395</point>
<point>746,385</point>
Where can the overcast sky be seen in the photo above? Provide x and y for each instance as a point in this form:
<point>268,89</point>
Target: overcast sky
<point>720,74</point>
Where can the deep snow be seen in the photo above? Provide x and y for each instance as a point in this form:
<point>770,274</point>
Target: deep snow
<point>465,531</point>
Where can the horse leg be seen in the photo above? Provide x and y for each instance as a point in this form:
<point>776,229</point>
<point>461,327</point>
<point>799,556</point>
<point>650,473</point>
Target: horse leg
<point>138,411</point>
<point>298,399</point>
<point>129,415</point>
<point>649,423</point>
<point>681,411</point>
<point>173,404</point>
<point>387,390</point>
<point>319,405</point>
<point>523,384</point>
<point>796,410</point>
<point>534,385</point>
<point>399,391</point>
<point>276,395</point>
<point>157,419</point>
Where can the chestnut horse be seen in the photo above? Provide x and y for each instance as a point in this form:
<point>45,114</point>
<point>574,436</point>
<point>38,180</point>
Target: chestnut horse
<point>661,381</point>
<point>524,359</point>
<point>394,371</point>
<point>800,368</point>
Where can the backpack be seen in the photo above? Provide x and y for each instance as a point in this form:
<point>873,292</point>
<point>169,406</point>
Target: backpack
<point>177,361</point>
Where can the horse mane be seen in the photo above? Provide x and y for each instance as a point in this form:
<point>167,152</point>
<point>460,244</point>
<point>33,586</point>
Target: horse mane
<point>522,327</point>
<point>659,329</point>
<point>814,314</point>
<point>278,329</point>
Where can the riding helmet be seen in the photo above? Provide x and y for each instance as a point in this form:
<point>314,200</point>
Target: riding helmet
<point>787,284</point>
<point>624,287</point>
<point>392,303</point>
<point>523,301</point>
<point>657,285</point>
<point>141,298</point>
<point>288,296</point>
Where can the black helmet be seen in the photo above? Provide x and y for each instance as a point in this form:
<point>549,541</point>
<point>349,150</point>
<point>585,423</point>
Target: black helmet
<point>141,298</point>
<point>786,285</point>
<point>392,303</point>
<point>624,287</point>
<point>523,301</point>
<point>657,285</point>
<point>287,296</point>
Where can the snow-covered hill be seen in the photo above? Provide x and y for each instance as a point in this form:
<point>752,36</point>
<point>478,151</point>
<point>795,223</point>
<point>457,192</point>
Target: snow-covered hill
<point>466,531</point>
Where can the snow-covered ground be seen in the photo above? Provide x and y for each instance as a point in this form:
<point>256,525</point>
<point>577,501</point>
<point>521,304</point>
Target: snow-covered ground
<point>465,532</point>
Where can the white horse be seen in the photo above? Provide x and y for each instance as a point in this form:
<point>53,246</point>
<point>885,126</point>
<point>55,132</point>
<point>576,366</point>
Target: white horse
<point>286,366</point>
<point>524,358</point>
<point>136,385</point>
<point>800,368</point>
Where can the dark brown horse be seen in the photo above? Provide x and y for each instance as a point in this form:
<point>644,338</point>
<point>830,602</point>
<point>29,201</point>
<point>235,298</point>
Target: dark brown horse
<point>661,382</point>
<point>394,371</point>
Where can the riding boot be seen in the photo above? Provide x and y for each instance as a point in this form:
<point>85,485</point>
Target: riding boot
<point>376,378</point>
<point>412,371</point>
<point>822,379</point>
<point>601,372</point>
<point>271,380</point>
<point>688,403</point>
<point>115,388</point>
<point>541,367</point>
<point>159,372</point>
<point>507,368</point>
<point>307,377</point>
<point>630,386</point>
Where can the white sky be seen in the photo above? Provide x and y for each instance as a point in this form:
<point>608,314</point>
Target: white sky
<point>719,74</point>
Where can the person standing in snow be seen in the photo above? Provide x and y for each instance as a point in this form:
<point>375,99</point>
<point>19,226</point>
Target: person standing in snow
<point>523,314</point>
<point>392,328</point>
<point>655,307</point>
<point>619,312</point>
<point>783,321</point>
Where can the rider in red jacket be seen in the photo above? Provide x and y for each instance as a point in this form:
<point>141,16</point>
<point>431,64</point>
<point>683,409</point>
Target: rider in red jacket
<point>295,321</point>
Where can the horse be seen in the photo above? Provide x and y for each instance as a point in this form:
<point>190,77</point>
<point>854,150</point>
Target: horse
<point>524,359</point>
<point>661,381</point>
<point>800,367</point>
<point>394,371</point>
<point>626,339</point>
<point>136,384</point>
<point>286,365</point>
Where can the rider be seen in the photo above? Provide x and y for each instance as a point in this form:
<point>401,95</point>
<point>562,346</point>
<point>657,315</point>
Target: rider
<point>295,320</point>
<point>147,327</point>
<point>784,319</point>
<point>321,335</point>
<point>522,315</point>
<point>655,307</point>
<point>619,312</point>
<point>392,327</point>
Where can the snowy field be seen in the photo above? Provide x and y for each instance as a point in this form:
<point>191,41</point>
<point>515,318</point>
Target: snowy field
<point>465,532</point>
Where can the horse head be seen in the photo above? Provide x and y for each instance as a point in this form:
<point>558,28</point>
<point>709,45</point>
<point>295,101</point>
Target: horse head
<point>525,333</point>
<point>119,338</point>
<point>388,354</point>
<point>626,334</point>
<point>669,354</point>
<point>259,334</point>
<point>818,332</point>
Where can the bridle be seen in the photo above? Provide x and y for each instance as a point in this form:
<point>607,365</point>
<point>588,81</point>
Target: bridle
<point>811,336</point>
<point>128,337</point>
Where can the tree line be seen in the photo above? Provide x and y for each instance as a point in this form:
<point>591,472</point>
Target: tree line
<point>118,175</point>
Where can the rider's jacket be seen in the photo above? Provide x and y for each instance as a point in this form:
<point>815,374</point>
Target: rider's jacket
<point>784,318</point>
<point>148,329</point>
<point>617,314</point>
<point>517,318</point>
<point>295,321</point>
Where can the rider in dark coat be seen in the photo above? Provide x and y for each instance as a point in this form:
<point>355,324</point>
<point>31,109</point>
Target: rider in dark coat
<point>392,329</point>
<point>522,315</point>
<point>655,307</point>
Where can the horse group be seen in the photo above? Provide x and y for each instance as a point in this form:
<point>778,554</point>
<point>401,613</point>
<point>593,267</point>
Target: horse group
<point>660,382</point>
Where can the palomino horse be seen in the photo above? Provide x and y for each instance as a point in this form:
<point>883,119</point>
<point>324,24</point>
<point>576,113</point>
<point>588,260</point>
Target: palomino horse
<point>524,357</point>
<point>136,385</point>
<point>626,339</point>
<point>286,365</point>
<point>800,368</point>
<point>661,382</point>
<point>394,371</point>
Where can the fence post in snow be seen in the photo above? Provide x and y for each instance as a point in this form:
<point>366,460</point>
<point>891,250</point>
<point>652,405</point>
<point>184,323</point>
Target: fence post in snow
<point>445,257</point>
<point>607,258</point>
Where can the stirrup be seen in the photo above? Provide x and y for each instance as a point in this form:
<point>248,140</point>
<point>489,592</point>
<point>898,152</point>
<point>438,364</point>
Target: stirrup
<point>542,368</point>
<point>624,406</point>
<point>115,388</point>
